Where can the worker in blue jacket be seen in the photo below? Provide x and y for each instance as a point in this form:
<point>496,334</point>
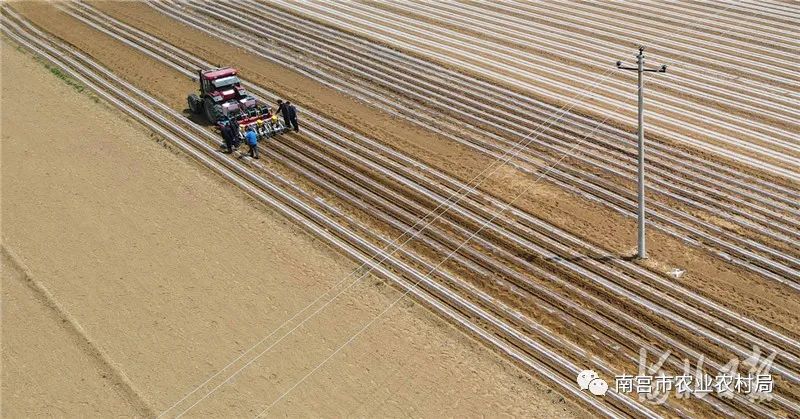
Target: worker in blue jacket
<point>252,141</point>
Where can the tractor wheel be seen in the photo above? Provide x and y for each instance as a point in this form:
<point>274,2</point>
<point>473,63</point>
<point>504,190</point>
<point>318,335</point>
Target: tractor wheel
<point>194,103</point>
<point>213,112</point>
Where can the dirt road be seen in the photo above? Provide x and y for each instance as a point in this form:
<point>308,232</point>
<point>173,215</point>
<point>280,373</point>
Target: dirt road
<point>157,274</point>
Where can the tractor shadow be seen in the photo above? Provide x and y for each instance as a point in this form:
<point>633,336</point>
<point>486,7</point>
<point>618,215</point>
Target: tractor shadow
<point>199,119</point>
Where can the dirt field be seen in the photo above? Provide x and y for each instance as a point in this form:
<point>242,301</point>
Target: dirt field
<point>509,65</point>
<point>130,275</point>
<point>735,288</point>
<point>152,274</point>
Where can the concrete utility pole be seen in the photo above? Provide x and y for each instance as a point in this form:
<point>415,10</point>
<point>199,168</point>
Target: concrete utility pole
<point>641,70</point>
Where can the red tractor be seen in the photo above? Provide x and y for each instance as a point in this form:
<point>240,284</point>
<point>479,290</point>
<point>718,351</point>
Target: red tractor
<point>222,96</point>
<point>224,101</point>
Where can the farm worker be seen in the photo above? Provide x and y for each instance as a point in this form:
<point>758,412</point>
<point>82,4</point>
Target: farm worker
<point>252,141</point>
<point>238,134</point>
<point>292,115</point>
<point>285,113</point>
<point>227,136</point>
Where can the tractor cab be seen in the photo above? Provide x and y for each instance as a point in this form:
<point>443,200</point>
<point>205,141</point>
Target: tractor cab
<point>222,81</point>
<point>221,95</point>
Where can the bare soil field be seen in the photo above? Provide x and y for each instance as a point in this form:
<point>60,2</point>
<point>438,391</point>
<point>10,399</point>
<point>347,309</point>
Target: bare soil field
<point>607,228</point>
<point>138,275</point>
<point>476,39</point>
<point>162,273</point>
<point>48,368</point>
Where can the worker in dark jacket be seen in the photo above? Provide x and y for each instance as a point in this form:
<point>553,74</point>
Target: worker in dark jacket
<point>292,111</point>
<point>227,136</point>
<point>284,113</point>
<point>252,141</point>
<point>235,137</point>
